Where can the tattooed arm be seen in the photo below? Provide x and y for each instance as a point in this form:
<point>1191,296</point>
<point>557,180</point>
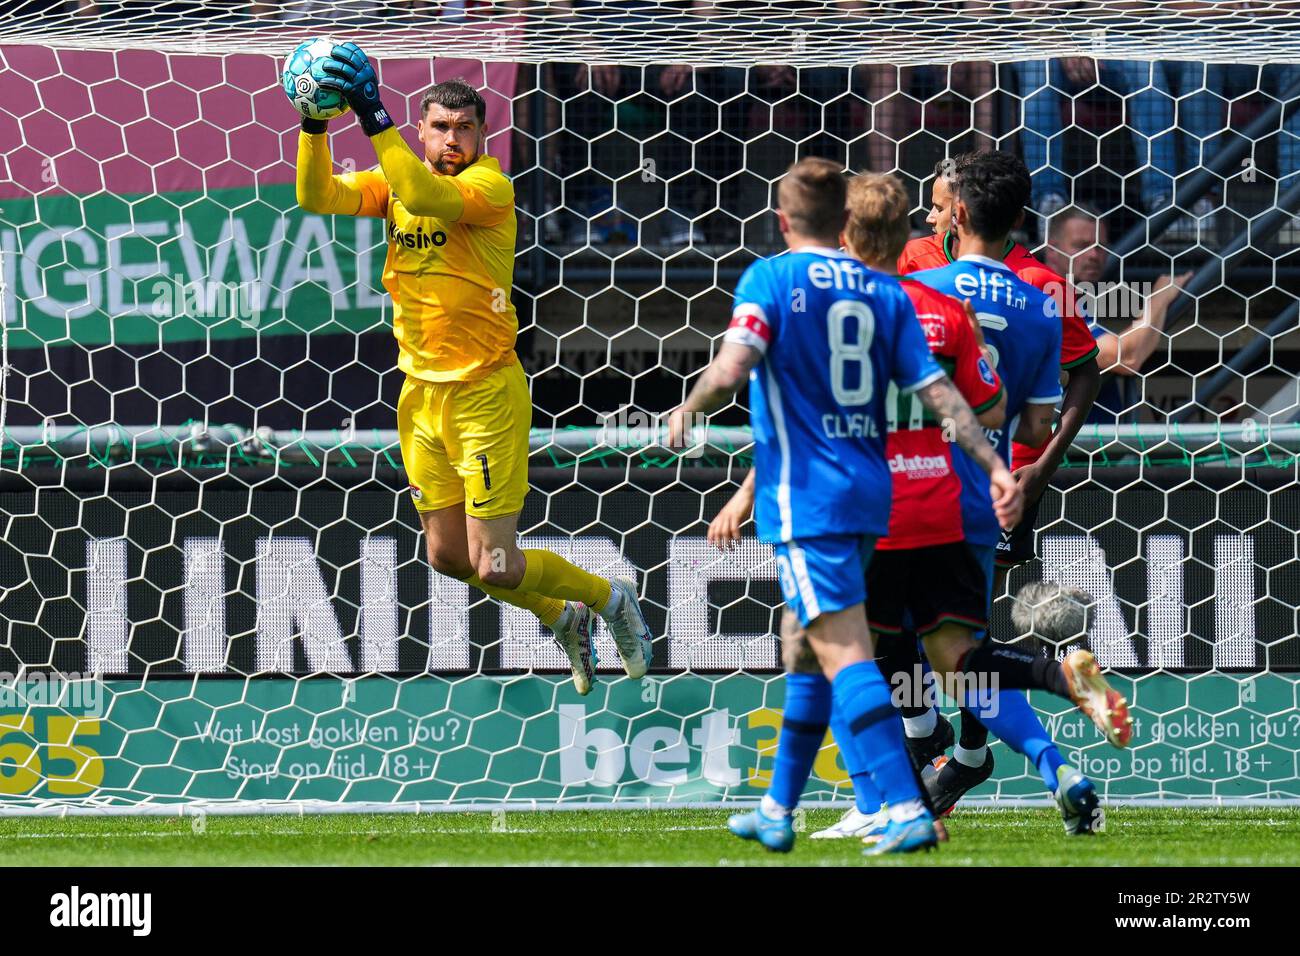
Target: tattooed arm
<point>942,398</point>
<point>716,386</point>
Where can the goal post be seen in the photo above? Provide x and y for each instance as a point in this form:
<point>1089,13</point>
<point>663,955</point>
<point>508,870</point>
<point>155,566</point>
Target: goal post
<point>213,592</point>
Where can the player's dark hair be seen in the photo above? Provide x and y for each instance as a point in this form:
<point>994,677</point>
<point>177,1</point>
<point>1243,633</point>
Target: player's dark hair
<point>812,195</point>
<point>950,168</point>
<point>995,188</point>
<point>454,95</point>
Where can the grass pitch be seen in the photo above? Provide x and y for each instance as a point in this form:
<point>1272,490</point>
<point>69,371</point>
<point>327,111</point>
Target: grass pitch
<point>1026,837</point>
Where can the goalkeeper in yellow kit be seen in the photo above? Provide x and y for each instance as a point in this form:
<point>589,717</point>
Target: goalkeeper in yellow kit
<point>465,411</point>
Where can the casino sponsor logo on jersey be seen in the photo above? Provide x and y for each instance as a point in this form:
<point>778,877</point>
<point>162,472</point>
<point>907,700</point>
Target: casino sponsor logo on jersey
<point>919,467</point>
<point>416,240</point>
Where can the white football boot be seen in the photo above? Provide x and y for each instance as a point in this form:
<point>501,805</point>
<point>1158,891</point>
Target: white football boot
<point>855,823</point>
<point>574,638</point>
<point>629,630</point>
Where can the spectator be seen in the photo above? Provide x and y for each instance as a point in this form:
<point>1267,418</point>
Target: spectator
<point>1178,112</point>
<point>972,82</point>
<point>1150,114</point>
<point>583,151</point>
<point>889,88</point>
<point>626,141</point>
<point>1075,249</point>
<point>353,14</point>
<point>26,11</point>
<point>697,152</point>
<point>1204,93</point>
<point>1042,87</point>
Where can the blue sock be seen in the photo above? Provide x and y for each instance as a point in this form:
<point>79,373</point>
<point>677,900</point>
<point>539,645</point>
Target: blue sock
<point>1017,724</point>
<point>873,724</point>
<point>865,794</point>
<point>803,728</point>
<point>1047,763</point>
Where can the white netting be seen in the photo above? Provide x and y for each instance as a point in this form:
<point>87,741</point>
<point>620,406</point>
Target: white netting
<point>200,487</point>
<point>697,32</point>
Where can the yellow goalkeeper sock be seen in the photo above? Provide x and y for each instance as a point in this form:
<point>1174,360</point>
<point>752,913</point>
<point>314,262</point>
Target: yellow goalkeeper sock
<point>548,573</point>
<point>547,609</point>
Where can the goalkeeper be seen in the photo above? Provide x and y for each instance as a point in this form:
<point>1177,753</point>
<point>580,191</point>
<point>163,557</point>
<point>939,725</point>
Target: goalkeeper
<point>464,412</point>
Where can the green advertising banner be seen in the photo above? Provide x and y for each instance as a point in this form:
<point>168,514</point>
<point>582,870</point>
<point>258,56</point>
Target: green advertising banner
<point>185,266</point>
<point>682,739</point>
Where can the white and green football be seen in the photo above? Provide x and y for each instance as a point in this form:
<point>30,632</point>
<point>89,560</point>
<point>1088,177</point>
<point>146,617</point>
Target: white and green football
<point>301,81</point>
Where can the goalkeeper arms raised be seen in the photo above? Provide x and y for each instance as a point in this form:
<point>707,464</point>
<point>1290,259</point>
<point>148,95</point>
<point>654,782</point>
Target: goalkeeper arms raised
<point>320,191</point>
<point>421,191</point>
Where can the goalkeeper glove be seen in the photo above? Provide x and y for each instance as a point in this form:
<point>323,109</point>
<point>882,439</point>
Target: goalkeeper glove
<point>310,125</point>
<point>352,76</point>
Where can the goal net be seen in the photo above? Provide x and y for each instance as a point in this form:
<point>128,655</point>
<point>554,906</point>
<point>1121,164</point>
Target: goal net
<point>213,590</point>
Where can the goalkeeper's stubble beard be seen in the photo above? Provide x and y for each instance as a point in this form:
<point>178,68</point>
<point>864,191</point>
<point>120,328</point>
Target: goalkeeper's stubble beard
<point>460,155</point>
<point>453,166</point>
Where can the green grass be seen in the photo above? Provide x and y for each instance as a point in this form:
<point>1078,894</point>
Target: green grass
<point>1026,837</point>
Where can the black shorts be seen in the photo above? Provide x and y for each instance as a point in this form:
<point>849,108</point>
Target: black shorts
<point>1017,545</point>
<point>932,586</point>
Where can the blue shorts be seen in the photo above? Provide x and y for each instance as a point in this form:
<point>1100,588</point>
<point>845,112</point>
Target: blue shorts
<point>824,574</point>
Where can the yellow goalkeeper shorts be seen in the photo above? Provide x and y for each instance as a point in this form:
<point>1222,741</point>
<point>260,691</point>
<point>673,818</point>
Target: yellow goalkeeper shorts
<point>467,442</point>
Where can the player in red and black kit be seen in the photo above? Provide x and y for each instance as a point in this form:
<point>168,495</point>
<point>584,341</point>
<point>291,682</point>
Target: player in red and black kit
<point>1032,466</point>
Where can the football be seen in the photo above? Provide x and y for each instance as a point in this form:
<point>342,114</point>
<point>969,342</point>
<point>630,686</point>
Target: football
<point>301,81</point>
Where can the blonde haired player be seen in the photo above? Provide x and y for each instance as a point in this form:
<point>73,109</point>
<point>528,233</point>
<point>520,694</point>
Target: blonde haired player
<point>465,411</point>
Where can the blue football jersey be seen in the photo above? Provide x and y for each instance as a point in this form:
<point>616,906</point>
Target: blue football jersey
<point>1022,327</point>
<point>833,334</point>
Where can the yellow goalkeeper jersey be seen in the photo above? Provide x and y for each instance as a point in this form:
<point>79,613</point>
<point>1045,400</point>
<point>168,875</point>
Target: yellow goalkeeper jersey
<point>451,252</point>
